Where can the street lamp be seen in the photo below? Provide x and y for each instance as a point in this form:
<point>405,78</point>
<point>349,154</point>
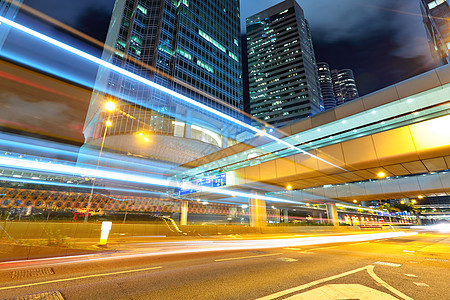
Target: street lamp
<point>109,106</point>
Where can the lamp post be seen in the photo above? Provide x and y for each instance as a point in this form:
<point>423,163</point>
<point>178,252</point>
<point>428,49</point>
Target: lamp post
<point>110,106</point>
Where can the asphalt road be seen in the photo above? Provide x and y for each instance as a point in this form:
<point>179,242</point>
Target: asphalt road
<point>407,267</point>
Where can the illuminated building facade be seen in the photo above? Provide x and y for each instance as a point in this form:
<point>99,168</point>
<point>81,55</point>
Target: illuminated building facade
<point>344,86</point>
<point>189,46</point>
<point>326,85</point>
<point>436,15</point>
<point>283,80</point>
<point>8,9</point>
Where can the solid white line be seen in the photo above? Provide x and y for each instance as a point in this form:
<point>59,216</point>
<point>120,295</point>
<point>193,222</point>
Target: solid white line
<point>313,283</point>
<point>77,278</point>
<point>245,257</point>
<point>387,286</point>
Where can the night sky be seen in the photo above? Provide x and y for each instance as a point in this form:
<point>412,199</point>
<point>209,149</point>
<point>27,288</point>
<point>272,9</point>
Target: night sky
<point>383,41</point>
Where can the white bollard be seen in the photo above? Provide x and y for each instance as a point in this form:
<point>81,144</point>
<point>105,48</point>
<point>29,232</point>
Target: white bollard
<point>106,227</point>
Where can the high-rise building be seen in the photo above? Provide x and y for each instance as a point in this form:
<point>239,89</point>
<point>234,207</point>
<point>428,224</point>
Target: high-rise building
<point>344,86</point>
<point>8,9</point>
<point>326,85</point>
<point>189,46</point>
<point>436,15</point>
<point>283,80</point>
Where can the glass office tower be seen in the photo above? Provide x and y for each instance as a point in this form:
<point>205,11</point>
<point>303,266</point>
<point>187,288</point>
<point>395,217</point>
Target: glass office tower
<point>344,86</point>
<point>436,15</point>
<point>326,85</point>
<point>283,77</point>
<point>189,46</point>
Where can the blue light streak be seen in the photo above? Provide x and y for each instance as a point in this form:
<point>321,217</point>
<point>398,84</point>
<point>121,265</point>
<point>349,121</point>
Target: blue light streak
<point>156,86</point>
<point>54,168</point>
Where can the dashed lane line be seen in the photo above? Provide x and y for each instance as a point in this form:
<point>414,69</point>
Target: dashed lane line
<point>383,263</point>
<point>322,248</point>
<point>77,278</point>
<point>354,244</point>
<point>421,284</point>
<point>246,257</point>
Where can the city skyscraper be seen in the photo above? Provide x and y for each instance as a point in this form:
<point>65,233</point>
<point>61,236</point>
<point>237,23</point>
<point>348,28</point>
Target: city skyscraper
<point>436,15</point>
<point>326,85</point>
<point>8,9</point>
<point>283,80</point>
<point>189,46</point>
<point>344,86</point>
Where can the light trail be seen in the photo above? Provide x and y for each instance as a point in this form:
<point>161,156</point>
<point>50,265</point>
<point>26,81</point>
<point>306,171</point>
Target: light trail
<point>122,177</point>
<point>145,81</point>
<point>186,247</point>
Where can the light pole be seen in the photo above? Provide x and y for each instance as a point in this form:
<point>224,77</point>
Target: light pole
<point>110,106</point>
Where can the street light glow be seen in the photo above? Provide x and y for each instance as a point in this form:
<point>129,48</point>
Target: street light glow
<point>108,123</point>
<point>289,187</point>
<point>420,197</point>
<point>110,106</point>
<point>381,174</point>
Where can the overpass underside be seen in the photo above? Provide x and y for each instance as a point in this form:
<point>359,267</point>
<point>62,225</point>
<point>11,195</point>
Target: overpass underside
<point>391,144</point>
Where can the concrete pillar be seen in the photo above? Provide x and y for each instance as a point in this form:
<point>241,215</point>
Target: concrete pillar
<point>187,126</point>
<point>362,221</point>
<point>332,214</point>
<point>183,212</point>
<point>224,136</point>
<point>320,218</point>
<point>257,212</point>
<point>286,216</point>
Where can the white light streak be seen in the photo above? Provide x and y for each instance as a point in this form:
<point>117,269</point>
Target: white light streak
<point>154,85</point>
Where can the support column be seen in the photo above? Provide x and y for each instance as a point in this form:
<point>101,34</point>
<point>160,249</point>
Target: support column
<point>183,212</point>
<point>257,212</point>
<point>187,125</point>
<point>332,214</point>
<point>224,136</point>
<point>286,216</point>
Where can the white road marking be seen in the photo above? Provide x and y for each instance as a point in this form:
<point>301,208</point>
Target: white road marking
<point>383,263</point>
<point>369,268</point>
<point>387,286</point>
<point>358,243</point>
<point>308,285</point>
<point>322,248</point>
<point>287,259</point>
<point>436,259</point>
<point>421,284</point>
<point>409,251</point>
<point>245,257</point>
<point>410,275</point>
<point>77,278</point>
<point>343,291</point>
